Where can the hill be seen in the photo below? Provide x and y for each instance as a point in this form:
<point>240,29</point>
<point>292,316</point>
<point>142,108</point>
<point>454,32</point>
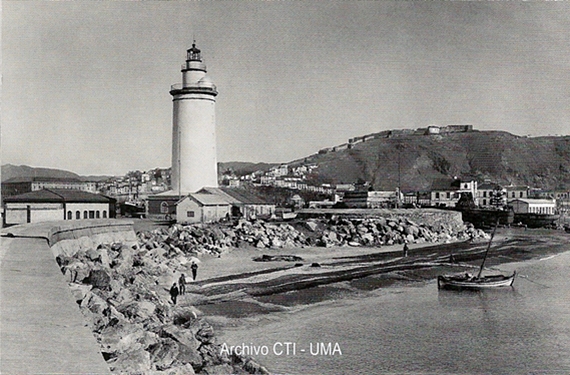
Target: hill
<point>419,160</point>
<point>10,171</point>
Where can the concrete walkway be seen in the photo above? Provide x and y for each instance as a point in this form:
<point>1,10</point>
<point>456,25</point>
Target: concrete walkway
<point>42,330</point>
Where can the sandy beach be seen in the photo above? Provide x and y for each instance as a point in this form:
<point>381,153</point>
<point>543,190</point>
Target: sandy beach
<point>234,286</point>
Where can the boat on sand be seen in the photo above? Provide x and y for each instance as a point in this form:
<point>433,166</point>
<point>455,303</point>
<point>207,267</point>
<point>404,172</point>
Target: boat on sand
<point>471,282</point>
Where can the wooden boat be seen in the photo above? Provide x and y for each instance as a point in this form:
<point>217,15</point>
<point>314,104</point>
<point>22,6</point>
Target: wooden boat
<point>474,283</point>
<point>467,281</point>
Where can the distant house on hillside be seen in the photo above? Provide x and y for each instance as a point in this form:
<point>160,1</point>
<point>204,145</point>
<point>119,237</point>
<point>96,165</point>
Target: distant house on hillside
<point>490,194</point>
<point>445,193</point>
<point>517,191</point>
<point>370,199</point>
<point>56,204</point>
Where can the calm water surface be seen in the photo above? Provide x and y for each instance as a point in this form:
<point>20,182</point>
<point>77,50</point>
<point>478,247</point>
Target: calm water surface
<point>522,330</point>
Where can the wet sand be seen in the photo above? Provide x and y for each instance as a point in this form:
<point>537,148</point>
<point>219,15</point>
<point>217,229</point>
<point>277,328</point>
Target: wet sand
<point>235,287</point>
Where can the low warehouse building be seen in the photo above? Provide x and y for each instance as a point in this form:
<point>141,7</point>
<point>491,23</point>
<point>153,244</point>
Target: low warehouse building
<point>533,206</point>
<point>56,204</point>
<point>201,208</point>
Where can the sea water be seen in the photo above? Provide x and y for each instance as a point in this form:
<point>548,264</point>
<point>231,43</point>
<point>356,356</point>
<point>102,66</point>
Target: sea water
<point>422,330</point>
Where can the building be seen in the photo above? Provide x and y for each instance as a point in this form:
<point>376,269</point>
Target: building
<point>370,199</point>
<point>201,208</point>
<point>56,204</point>
<point>194,160</point>
<point>445,193</point>
<point>243,203</point>
<point>514,191</point>
<point>491,195</point>
<point>533,206</point>
<point>21,185</point>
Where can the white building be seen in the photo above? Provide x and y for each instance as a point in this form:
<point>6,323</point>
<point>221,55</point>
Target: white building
<point>194,160</point>
<point>533,206</point>
<point>201,208</point>
<point>56,204</point>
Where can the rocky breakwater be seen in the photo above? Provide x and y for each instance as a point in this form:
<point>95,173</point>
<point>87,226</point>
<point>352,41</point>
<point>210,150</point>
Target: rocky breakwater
<point>381,231</point>
<point>388,229</point>
<point>122,290</point>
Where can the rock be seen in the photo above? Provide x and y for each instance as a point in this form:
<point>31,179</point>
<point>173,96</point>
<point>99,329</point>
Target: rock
<point>311,225</point>
<point>99,278</point>
<point>163,354</point>
<point>218,370</point>
<point>186,369</point>
<point>79,291</point>
<point>137,361</point>
<point>94,303</point>
<point>252,367</point>
<point>205,333</point>
<point>185,316</point>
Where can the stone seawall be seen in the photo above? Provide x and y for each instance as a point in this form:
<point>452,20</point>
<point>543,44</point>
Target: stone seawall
<point>42,330</point>
<point>69,239</point>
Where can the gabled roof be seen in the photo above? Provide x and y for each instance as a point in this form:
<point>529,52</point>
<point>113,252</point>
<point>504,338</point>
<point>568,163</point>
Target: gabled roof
<point>208,199</point>
<point>243,196</point>
<point>59,196</point>
<point>234,196</point>
<point>534,201</point>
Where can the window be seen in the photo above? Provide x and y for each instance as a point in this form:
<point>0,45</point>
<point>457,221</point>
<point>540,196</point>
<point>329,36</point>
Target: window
<point>448,195</point>
<point>69,215</point>
<point>97,214</point>
<point>484,202</point>
<point>77,215</point>
<point>436,195</point>
<point>85,214</point>
<point>484,194</point>
<point>189,213</point>
<point>163,207</point>
<point>513,194</point>
<point>104,214</point>
<point>92,214</point>
<point>521,194</point>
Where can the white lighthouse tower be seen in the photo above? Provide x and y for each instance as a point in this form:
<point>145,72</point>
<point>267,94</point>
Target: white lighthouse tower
<point>194,162</point>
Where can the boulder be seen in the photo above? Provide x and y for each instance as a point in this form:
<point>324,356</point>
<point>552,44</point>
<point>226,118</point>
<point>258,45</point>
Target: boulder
<point>99,278</point>
<point>163,354</point>
<point>311,225</point>
<point>79,291</point>
<point>186,369</point>
<point>218,370</point>
<point>136,361</point>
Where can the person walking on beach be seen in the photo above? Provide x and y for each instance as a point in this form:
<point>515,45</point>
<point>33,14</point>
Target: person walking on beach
<point>406,248</point>
<point>194,267</point>
<point>182,284</point>
<point>173,293</point>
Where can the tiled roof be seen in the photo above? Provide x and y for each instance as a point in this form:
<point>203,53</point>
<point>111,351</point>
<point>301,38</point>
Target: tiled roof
<point>59,195</point>
<point>209,199</point>
<point>243,196</point>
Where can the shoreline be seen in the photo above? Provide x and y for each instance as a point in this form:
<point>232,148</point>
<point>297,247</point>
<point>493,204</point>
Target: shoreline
<point>249,292</point>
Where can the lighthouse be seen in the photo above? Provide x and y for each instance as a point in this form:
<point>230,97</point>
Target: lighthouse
<point>194,161</point>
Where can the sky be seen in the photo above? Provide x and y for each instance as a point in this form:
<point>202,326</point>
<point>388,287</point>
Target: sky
<point>85,84</point>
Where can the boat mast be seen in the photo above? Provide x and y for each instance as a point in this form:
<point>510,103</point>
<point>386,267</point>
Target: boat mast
<point>488,247</point>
